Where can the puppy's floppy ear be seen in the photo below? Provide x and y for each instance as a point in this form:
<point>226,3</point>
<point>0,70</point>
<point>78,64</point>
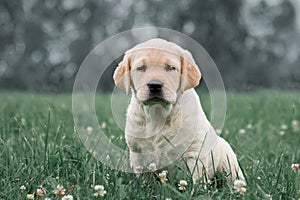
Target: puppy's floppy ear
<point>190,74</point>
<point>122,74</point>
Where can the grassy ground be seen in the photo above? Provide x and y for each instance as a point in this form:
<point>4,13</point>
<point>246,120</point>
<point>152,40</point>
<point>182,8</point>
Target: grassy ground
<point>38,147</point>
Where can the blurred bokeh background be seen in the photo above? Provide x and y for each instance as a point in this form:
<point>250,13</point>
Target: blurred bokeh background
<point>255,43</point>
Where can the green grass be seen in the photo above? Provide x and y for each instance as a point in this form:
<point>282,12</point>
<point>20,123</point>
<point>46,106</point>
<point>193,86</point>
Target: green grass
<point>38,146</point>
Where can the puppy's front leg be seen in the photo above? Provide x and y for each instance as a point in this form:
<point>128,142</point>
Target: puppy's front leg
<point>141,154</point>
<point>226,159</point>
<point>194,167</point>
<point>136,162</point>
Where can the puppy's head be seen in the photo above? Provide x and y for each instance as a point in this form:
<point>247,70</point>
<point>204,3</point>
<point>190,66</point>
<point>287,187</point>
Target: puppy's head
<point>157,71</point>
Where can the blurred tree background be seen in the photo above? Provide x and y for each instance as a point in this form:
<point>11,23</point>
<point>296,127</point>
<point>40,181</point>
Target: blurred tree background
<point>255,43</point>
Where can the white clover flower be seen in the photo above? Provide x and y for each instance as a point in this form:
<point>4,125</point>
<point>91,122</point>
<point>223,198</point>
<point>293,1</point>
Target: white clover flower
<point>23,121</point>
<point>249,126</point>
<point>281,132</point>
<point>67,197</point>
<point>89,129</point>
<point>152,167</point>
<point>295,125</point>
<point>240,186</point>
<point>242,131</point>
<point>295,166</point>
<point>284,127</point>
<point>23,187</point>
<point>30,196</point>
<point>100,192</point>
<point>268,196</point>
<point>182,184</point>
<point>41,192</point>
<point>99,187</point>
<point>139,169</point>
<point>163,176</point>
<point>60,191</point>
<point>103,125</point>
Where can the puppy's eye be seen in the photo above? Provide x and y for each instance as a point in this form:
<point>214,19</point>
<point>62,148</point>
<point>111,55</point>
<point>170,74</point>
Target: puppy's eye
<point>141,68</point>
<point>169,68</point>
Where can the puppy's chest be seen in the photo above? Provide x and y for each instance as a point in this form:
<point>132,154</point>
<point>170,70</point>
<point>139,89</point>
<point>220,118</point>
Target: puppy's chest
<point>152,128</point>
<point>148,138</point>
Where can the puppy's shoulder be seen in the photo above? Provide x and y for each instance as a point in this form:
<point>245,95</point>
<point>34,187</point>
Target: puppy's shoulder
<point>189,96</point>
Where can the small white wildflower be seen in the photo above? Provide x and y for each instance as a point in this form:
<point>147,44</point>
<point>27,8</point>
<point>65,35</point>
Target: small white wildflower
<point>281,132</point>
<point>107,177</point>
<point>60,191</point>
<point>23,121</point>
<point>67,197</point>
<point>242,131</point>
<point>163,176</point>
<point>99,187</point>
<point>139,169</point>
<point>152,167</point>
<point>99,191</point>
<point>47,198</point>
<point>168,199</point>
<point>218,131</point>
<point>103,125</point>
<point>89,129</point>
<point>268,196</point>
<point>41,192</point>
<point>182,184</point>
<point>258,178</point>
<point>96,194</point>
<point>249,126</point>
<point>283,127</point>
<point>240,186</point>
<point>30,196</point>
<point>23,187</point>
<point>295,166</point>
<point>295,125</point>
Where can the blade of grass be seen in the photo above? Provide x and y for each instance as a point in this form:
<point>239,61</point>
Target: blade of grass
<point>46,139</point>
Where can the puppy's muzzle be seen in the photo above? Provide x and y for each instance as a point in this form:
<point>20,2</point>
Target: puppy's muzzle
<point>155,87</point>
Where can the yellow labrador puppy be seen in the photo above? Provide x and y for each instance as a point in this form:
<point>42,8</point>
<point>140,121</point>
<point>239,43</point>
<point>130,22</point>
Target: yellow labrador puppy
<point>165,121</point>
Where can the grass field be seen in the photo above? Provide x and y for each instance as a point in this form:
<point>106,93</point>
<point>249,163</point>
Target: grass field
<point>39,147</point>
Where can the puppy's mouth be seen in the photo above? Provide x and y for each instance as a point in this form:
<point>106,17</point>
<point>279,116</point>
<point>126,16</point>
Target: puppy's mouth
<point>152,100</point>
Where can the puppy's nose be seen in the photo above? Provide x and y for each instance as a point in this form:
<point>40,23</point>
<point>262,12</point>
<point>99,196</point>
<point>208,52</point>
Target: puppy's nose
<point>155,86</point>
